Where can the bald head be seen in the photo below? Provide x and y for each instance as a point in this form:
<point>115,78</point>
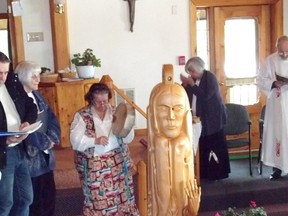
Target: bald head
<point>282,47</point>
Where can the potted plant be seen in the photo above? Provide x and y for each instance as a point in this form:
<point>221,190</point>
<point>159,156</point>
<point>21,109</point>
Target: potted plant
<point>85,63</point>
<point>253,210</point>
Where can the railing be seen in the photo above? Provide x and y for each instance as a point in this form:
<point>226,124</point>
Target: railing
<point>106,79</point>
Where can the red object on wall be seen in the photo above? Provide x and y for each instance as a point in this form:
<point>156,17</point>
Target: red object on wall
<point>181,60</point>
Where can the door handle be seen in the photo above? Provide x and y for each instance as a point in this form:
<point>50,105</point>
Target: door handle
<point>221,83</point>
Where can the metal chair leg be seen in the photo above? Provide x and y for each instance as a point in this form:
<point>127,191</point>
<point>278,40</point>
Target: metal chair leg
<point>259,158</point>
<point>250,157</point>
<point>250,161</point>
<point>261,122</point>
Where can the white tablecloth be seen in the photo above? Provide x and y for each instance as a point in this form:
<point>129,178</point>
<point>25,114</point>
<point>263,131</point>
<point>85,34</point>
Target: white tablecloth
<point>197,127</point>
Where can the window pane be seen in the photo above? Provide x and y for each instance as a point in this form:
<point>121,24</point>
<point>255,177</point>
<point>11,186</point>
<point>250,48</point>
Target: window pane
<point>4,36</point>
<point>241,60</point>
<point>243,94</point>
<point>240,48</point>
<point>202,36</point>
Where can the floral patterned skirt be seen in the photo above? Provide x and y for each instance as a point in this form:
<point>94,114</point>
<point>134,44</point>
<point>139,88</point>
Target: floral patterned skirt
<point>107,183</point>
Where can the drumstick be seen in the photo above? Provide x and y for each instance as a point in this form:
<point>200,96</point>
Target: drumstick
<point>110,131</point>
<point>113,120</point>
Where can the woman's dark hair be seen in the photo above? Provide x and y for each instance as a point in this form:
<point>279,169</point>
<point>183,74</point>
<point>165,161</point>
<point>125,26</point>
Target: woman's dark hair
<point>97,88</point>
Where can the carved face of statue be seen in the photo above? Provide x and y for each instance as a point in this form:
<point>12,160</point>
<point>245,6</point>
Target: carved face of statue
<point>170,112</point>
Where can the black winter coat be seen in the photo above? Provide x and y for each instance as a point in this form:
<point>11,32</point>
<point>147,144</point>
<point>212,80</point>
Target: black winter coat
<point>25,107</point>
<point>209,105</point>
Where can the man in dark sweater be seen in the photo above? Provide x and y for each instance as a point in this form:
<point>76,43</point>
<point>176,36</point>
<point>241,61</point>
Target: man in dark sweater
<point>17,111</point>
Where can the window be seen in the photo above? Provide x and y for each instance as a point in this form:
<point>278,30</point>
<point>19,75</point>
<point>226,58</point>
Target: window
<point>203,36</point>
<point>4,36</point>
<point>241,60</point>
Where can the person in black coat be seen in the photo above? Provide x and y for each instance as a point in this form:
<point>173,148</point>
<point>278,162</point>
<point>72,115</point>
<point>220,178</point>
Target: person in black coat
<point>206,102</point>
<point>17,110</point>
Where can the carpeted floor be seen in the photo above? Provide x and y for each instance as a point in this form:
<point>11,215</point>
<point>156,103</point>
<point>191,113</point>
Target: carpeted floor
<point>236,191</point>
<point>241,188</point>
<point>69,202</point>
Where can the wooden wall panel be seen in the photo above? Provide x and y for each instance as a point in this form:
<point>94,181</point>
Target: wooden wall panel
<point>65,99</point>
<point>276,22</point>
<point>17,43</point>
<point>60,38</point>
<point>193,28</point>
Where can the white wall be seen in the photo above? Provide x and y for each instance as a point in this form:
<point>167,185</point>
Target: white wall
<point>36,18</point>
<point>3,6</point>
<point>133,60</point>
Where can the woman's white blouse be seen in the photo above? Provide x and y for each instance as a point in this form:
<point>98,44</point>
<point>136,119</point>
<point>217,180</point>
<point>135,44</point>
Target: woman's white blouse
<point>81,142</point>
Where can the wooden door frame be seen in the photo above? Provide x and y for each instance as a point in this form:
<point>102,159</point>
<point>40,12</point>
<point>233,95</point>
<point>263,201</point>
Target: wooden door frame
<point>17,40</point>
<point>276,25</point>
<point>263,49</point>
<point>276,19</point>
<point>60,37</point>
<point>275,10</point>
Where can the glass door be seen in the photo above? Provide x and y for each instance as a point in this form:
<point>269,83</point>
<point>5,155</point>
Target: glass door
<point>242,41</point>
<point>234,41</point>
<point>241,60</point>
<point>241,34</point>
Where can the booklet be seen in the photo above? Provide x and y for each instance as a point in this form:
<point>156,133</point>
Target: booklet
<point>26,130</point>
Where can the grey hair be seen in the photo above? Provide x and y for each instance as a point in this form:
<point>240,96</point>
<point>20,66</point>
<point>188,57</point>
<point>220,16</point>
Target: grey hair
<point>196,63</point>
<point>25,71</point>
<point>281,39</point>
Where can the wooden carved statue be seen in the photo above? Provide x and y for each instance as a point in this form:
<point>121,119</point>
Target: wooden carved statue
<point>172,188</point>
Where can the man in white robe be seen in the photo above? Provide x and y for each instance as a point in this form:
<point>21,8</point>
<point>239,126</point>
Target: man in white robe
<point>273,81</point>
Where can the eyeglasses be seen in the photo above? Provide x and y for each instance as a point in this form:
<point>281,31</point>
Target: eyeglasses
<point>101,102</point>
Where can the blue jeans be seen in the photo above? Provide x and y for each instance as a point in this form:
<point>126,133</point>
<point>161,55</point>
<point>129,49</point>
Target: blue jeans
<point>16,192</point>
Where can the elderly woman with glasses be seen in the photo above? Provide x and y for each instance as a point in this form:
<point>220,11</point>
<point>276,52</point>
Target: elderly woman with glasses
<point>102,158</point>
<point>38,145</point>
<point>206,102</point>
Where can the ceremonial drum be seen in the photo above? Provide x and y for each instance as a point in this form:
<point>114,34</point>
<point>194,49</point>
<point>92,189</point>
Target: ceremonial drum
<point>124,120</point>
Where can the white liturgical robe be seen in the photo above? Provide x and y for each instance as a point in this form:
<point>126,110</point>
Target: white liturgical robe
<point>275,135</point>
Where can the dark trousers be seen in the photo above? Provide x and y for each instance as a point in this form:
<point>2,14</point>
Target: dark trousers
<point>276,170</point>
<point>214,147</point>
<point>44,191</point>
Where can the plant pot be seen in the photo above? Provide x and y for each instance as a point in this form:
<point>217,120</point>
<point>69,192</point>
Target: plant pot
<point>86,72</point>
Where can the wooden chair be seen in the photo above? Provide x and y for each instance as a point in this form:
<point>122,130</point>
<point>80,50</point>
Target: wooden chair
<point>238,129</point>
